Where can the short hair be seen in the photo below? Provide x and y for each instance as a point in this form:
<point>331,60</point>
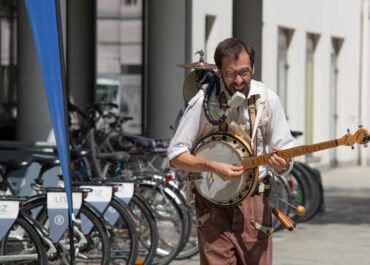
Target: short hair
<point>233,47</point>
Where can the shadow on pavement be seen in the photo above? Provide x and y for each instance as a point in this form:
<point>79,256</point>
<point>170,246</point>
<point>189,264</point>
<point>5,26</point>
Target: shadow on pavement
<point>345,206</point>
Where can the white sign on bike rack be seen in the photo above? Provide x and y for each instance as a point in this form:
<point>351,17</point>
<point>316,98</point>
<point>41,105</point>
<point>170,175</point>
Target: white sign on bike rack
<point>8,214</point>
<point>57,206</point>
<point>99,197</point>
<point>125,192</point>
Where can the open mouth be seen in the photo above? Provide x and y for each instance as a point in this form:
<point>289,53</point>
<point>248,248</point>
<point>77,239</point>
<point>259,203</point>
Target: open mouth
<point>240,88</point>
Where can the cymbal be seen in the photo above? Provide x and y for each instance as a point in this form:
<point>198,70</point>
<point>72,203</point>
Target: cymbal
<point>198,66</point>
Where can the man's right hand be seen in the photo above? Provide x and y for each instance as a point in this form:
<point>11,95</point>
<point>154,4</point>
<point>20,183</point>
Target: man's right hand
<point>191,163</point>
<point>227,171</point>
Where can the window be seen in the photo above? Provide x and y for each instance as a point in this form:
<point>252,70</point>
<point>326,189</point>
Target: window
<point>119,58</point>
<point>210,38</point>
<point>284,38</point>
<point>336,44</point>
<point>8,69</point>
<point>311,42</point>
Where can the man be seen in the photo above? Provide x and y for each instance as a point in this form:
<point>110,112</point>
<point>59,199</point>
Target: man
<point>239,234</point>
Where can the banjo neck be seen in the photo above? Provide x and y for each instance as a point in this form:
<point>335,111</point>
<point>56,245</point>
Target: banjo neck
<point>255,161</point>
<point>360,137</point>
<point>231,149</point>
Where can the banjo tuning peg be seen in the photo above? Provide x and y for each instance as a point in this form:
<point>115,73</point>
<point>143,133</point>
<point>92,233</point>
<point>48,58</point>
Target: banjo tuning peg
<point>352,147</point>
<point>348,130</point>
<point>365,146</point>
<point>360,126</point>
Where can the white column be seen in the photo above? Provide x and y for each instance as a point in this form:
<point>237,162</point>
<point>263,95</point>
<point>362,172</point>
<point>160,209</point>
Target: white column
<point>33,119</point>
<point>166,48</point>
<point>247,25</point>
<point>81,51</point>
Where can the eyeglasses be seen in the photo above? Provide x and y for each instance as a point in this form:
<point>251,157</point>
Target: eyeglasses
<point>245,72</point>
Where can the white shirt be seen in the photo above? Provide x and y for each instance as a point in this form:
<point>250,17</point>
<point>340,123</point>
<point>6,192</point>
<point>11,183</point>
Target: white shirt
<point>193,123</point>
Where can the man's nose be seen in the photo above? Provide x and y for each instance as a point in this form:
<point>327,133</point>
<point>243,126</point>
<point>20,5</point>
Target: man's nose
<point>238,80</point>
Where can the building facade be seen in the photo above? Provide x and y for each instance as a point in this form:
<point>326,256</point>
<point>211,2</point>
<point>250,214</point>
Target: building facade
<point>314,54</point>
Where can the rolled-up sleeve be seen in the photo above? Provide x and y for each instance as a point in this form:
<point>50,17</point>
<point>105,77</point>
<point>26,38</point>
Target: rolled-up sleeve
<point>188,131</point>
<point>278,131</point>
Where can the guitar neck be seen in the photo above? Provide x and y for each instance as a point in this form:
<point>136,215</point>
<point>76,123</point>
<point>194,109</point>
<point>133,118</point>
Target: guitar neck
<point>252,162</point>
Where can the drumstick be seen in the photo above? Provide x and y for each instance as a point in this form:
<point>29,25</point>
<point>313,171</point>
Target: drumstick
<point>285,220</point>
<point>300,210</point>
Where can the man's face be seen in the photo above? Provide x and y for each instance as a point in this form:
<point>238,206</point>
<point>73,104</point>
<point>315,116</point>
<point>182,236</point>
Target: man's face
<point>237,74</point>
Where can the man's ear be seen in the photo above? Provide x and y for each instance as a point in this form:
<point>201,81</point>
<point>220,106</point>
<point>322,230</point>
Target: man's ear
<point>219,73</point>
<point>253,70</point>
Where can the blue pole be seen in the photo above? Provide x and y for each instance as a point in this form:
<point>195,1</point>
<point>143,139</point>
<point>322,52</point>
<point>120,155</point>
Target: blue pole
<point>44,16</point>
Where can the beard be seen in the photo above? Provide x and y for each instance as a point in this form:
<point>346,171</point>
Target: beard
<point>231,88</point>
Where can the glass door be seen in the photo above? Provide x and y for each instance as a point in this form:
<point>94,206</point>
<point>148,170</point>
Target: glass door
<point>120,59</point>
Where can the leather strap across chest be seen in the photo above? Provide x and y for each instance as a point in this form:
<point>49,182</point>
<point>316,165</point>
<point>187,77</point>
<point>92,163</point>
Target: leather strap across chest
<point>252,116</point>
<point>223,105</point>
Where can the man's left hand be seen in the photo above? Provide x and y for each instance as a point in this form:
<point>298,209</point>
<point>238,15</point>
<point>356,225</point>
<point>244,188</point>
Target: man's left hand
<point>279,164</point>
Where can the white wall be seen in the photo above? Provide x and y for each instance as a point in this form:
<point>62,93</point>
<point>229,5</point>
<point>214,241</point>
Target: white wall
<point>330,18</point>
<point>367,87</point>
<point>222,28</point>
<point>365,77</point>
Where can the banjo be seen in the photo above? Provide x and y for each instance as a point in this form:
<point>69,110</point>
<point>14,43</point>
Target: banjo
<point>232,149</point>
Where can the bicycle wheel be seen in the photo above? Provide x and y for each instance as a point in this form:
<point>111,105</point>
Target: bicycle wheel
<point>92,248</point>
<point>316,195</point>
<point>300,192</point>
<point>124,237</point>
<point>22,245</point>
<point>169,218</point>
<point>315,173</point>
<point>187,248</point>
<point>147,229</point>
<point>191,247</point>
<point>281,189</point>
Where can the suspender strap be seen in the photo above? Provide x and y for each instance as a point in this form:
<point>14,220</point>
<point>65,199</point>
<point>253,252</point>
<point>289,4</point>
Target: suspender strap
<point>223,105</point>
<point>252,116</point>
<point>236,128</point>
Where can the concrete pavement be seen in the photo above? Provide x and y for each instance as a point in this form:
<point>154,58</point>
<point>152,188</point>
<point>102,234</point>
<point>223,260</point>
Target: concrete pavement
<point>340,235</point>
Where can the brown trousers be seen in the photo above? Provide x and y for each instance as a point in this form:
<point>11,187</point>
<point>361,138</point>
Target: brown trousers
<point>233,235</point>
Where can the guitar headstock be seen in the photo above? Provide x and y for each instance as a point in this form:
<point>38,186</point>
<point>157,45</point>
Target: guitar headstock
<point>361,136</point>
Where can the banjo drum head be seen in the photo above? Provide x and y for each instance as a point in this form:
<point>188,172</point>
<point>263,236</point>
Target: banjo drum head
<point>230,149</point>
